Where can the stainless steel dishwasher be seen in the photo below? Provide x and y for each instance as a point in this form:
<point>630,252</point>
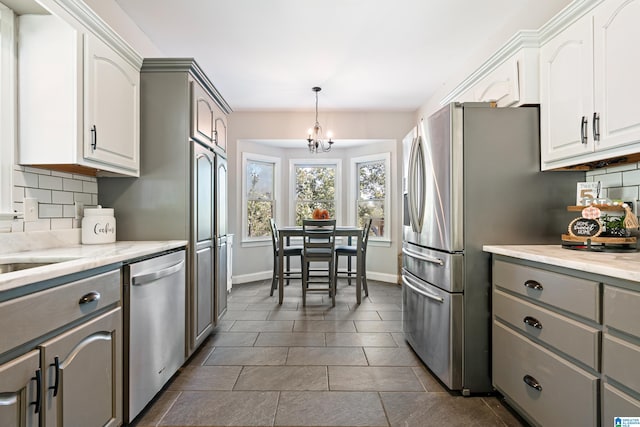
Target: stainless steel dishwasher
<point>155,291</point>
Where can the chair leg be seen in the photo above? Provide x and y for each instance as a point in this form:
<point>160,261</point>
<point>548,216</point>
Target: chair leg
<point>305,273</point>
<point>364,277</point>
<point>288,269</point>
<point>349,269</point>
<point>274,278</point>
<point>332,283</point>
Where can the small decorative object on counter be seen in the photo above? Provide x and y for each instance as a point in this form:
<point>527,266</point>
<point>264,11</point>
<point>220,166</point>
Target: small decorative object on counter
<point>320,214</point>
<point>595,231</point>
<point>98,226</point>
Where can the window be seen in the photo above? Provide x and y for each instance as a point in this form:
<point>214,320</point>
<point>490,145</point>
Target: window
<point>314,186</point>
<point>371,193</point>
<point>261,177</point>
<point>7,106</point>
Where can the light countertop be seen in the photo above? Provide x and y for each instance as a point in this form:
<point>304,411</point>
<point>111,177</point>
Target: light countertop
<point>620,265</point>
<point>76,258</point>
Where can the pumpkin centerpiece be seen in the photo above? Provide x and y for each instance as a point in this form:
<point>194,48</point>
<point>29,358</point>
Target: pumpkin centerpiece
<point>319,213</point>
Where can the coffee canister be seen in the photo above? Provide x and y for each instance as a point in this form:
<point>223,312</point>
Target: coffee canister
<point>98,226</point>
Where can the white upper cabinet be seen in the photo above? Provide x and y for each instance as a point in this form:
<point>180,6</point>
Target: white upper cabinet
<point>78,99</point>
<point>589,87</point>
<point>617,72</point>
<point>566,94</point>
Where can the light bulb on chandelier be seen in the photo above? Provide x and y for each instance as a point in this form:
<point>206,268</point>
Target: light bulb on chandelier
<point>315,139</point>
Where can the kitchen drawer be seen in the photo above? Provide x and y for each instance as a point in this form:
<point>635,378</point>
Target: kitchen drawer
<point>36,314</point>
<point>620,361</point>
<point>568,394</point>
<point>578,296</point>
<point>551,328</point>
<point>620,310</point>
<point>616,403</point>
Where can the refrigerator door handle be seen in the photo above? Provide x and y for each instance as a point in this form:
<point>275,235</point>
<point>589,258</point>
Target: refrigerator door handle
<point>420,161</point>
<point>411,187</point>
<point>422,257</point>
<point>422,292</point>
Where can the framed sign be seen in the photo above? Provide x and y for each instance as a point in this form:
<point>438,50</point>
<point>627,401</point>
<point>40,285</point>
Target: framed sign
<point>586,190</point>
<point>585,227</point>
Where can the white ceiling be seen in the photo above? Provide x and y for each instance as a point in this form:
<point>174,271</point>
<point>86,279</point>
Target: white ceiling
<point>365,54</point>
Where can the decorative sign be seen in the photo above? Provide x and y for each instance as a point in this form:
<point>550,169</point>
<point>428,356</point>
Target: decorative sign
<point>585,227</point>
<point>586,190</point>
<point>591,212</point>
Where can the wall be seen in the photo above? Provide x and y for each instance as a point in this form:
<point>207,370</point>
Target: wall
<point>246,128</point>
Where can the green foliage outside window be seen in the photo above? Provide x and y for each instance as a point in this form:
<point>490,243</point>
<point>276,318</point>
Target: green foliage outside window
<point>371,195</point>
<point>315,188</point>
<point>260,202</point>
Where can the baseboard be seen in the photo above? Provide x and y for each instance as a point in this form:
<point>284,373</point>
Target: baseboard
<point>266,275</point>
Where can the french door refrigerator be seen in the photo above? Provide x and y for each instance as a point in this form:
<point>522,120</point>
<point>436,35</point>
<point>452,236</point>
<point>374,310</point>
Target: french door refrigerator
<point>472,177</point>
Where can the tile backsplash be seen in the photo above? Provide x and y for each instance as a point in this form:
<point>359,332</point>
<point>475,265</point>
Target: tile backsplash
<point>56,193</point>
<point>618,182</point>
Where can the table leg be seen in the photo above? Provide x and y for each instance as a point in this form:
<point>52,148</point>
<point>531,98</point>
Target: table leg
<point>280,269</point>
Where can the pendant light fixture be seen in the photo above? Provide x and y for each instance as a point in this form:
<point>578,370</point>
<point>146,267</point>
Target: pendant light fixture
<point>315,139</point>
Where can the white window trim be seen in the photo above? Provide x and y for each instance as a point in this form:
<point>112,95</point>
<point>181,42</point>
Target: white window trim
<point>385,240</point>
<point>7,110</point>
<point>247,157</point>
<point>314,162</point>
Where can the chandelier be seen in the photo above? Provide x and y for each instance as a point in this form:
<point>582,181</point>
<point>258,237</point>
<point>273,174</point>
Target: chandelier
<point>315,139</point>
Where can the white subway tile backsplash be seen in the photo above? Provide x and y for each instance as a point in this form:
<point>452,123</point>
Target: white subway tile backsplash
<point>43,196</point>
<point>62,197</point>
<point>626,194</point>
<point>50,182</point>
<point>56,193</point>
<point>71,185</point>
<point>622,168</point>
<point>631,177</point>
<point>46,210</point>
<point>25,179</point>
<point>90,187</point>
<point>610,179</point>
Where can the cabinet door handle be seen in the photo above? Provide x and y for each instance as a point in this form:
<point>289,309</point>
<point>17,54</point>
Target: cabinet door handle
<point>90,297</point>
<point>56,381</point>
<point>596,127</point>
<point>532,284</point>
<point>94,137</point>
<point>38,380</point>
<point>532,321</point>
<point>532,382</point>
<point>583,130</point>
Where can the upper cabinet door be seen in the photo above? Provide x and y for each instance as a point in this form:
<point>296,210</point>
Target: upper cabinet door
<point>220,129</point>
<point>203,113</point>
<point>566,92</point>
<point>617,71</point>
<point>111,125</point>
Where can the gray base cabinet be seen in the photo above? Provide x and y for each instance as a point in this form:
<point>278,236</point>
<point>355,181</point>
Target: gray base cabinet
<point>61,359</point>
<point>566,344</point>
<point>20,403</point>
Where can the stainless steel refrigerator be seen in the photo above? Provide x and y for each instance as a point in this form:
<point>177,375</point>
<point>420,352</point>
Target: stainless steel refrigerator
<point>471,177</point>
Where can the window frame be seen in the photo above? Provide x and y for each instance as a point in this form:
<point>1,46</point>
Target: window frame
<point>294,163</point>
<point>276,161</point>
<point>7,110</point>
<point>354,190</point>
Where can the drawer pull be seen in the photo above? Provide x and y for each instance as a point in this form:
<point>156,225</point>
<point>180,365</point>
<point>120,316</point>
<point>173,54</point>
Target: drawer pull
<point>56,381</point>
<point>532,382</point>
<point>532,284</point>
<point>38,402</point>
<point>532,321</point>
<point>90,297</point>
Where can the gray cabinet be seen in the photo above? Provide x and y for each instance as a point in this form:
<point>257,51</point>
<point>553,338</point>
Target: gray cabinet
<point>83,374</point>
<point>546,343</point>
<point>174,198</point>
<point>20,381</point>
<point>222,244</point>
<point>67,345</point>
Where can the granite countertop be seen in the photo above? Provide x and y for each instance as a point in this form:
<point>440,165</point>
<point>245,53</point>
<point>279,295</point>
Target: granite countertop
<point>76,258</point>
<point>620,265</point>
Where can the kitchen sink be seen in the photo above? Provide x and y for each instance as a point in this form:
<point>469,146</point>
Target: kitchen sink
<point>17,266</point>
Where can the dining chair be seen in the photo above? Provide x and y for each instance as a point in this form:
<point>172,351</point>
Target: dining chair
<point>288,252</point>
<point>349,251</point>
<point>318,247</point>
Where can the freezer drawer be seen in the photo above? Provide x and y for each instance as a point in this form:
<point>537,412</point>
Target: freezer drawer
<point>432,324</point>
<point>442,269</point>
<point>552,391</point>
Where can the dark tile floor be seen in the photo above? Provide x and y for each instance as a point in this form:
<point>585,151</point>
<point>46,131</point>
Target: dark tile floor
<point>287,365</point>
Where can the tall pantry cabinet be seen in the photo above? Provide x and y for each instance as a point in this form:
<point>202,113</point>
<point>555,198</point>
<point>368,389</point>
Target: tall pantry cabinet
<point>178,195</point>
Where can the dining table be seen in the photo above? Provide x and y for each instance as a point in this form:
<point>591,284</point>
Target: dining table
<point>284,237</point>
